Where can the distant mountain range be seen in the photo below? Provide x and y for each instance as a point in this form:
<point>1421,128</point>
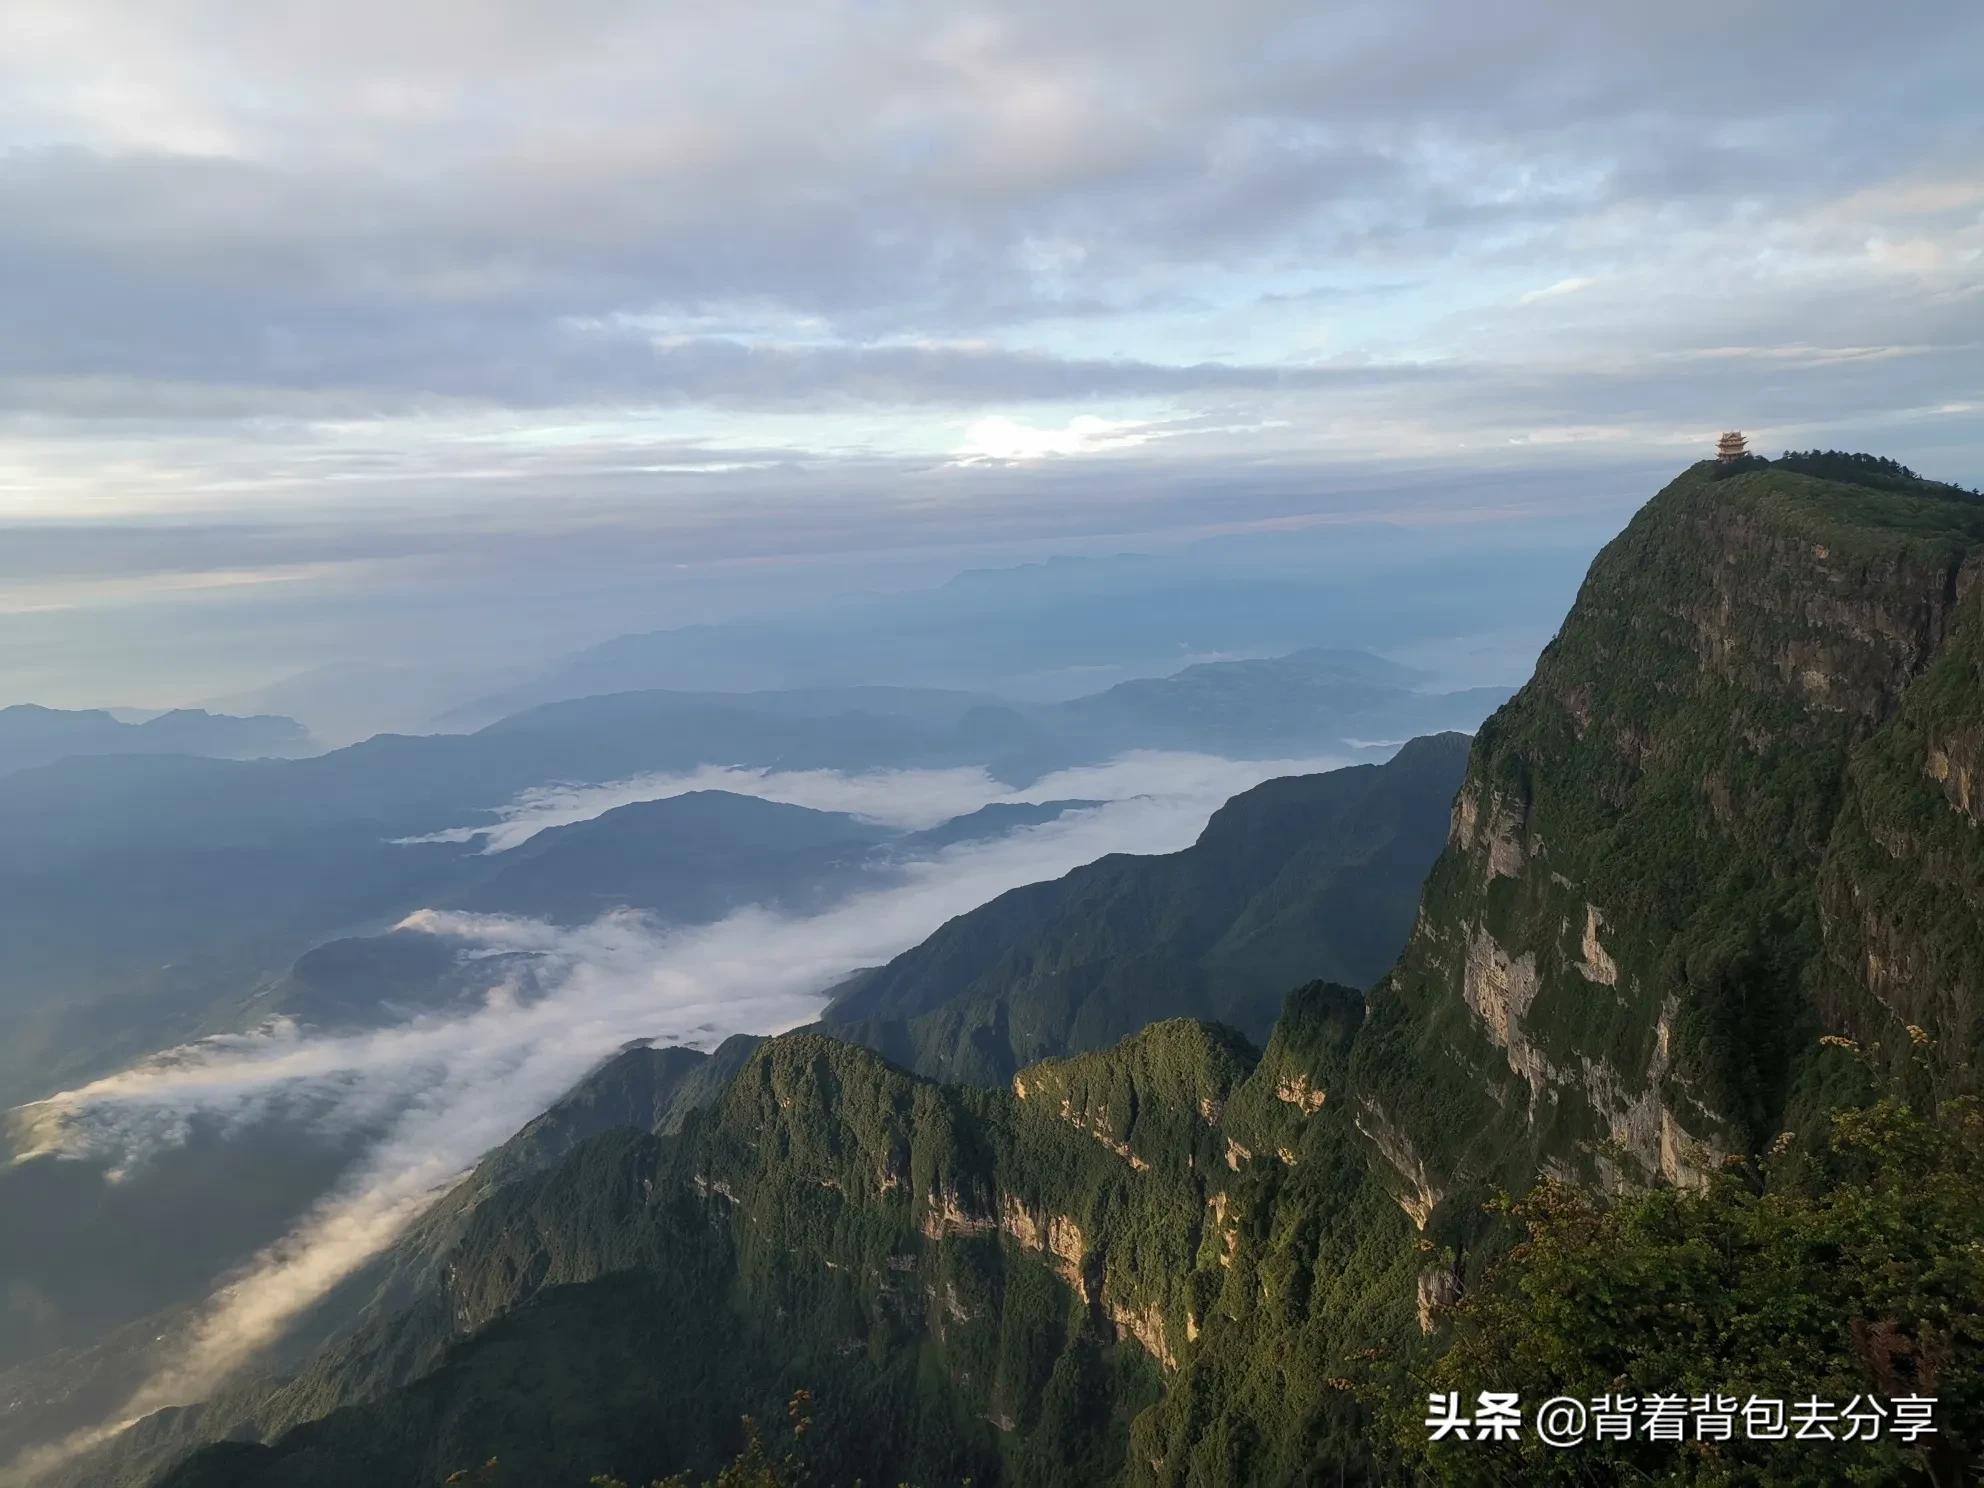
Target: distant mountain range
<point>681,860</point>
<point>1068,626</point>
<point>222,872</point>
<point>32,735</point>
<point>1314,701</point>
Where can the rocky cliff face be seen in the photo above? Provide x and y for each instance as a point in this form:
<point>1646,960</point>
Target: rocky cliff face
<point>1901,891</point>
<point>1020,1270</point>
<point>1690,847</point>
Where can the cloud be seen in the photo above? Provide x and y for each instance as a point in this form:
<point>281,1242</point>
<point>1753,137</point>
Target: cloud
<point>441,1090</point>
<point>732,283</point>
<point>999,438</point>
<point>909,799</point>
<point>574,205</point>
<point>70,594</point>
<point>1552,291</point>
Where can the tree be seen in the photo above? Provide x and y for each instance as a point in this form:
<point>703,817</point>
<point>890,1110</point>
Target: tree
<point>754,1467</point>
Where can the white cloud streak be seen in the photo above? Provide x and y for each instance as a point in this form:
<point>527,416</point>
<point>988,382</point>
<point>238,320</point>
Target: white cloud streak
<point>909,799</point>
<point>1554,291</point>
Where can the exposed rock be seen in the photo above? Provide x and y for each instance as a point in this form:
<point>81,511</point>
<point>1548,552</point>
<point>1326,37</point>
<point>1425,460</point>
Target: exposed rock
<point>1145,1324</point>
<point>1018,1221</point>
<point>1957,765</point>
<point>1229,1234</point>
<point>1639,1120</point>
<point>1466,815</point>
<point>1597,965</point>
<point>951,1304</point>
<point>1096,1124</point>
<point>1055,1235</point>
<point>1439,1287</point>
<point>1505,853</point>
<point>1499,988</point>
<point>1394,1147</point>
<point>1064,1242</point>
<point>1297,1091</point>
<point>1498,827</point>
<point>946,1215</point>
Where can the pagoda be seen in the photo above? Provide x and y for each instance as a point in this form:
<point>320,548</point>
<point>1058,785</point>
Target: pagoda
<point>1731,447</point>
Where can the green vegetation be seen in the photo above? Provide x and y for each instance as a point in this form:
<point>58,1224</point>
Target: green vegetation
<point>1671,787</point>
<point>1859,1276</point>
<point>1856,469</point>
<point>754,1467</point>
<point>1305,877</point>
<point>894,1243</point>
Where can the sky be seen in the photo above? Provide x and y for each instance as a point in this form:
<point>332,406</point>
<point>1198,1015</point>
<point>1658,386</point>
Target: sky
<point>461,333</point>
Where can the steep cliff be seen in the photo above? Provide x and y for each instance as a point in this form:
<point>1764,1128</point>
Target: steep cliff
<point>1696,842</point>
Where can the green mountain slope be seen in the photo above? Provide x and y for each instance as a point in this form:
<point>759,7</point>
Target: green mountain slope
<point>1277,852</point>
<point>686,859</point>
<point>1310,876</point>
<point>1674,844</point>
<point>975,1283</point>
<point>384,1327</point>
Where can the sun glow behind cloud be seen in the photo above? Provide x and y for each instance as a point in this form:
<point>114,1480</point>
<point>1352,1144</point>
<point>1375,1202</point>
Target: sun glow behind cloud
<point>998,438</point>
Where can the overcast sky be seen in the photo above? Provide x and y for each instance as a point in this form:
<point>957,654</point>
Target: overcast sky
<point>333,299</point>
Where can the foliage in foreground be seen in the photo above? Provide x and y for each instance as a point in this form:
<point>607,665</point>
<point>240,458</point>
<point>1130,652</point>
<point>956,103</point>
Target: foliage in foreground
<point>1853,1270</point>
<point>1862,1274</point>
<point>754,1467</point>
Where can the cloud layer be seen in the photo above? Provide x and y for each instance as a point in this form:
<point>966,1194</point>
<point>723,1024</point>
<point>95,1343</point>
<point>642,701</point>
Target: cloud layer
<point>335,311</point>
<point>828,229</point>
<point>909,799</point>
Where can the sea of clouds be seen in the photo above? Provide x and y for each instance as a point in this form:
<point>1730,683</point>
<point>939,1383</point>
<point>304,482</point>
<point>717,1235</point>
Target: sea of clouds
<point>908,799</point>
<point>437,1091</point>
